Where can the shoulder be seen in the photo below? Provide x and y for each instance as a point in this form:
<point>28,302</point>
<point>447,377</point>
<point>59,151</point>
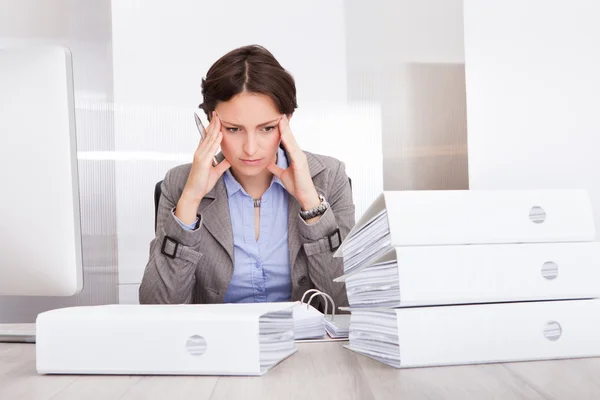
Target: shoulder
<point>326,169</point>
<point>320,161</point>
<point>175,181</point>
<point>330,178</point>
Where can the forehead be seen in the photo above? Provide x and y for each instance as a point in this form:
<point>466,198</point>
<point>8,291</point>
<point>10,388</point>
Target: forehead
<point>248,109</point>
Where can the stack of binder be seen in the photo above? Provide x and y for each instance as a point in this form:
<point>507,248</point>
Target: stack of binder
<point>465,277</point>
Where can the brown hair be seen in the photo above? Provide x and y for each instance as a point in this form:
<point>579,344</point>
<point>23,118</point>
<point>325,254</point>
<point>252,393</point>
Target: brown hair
<point>250,69</point>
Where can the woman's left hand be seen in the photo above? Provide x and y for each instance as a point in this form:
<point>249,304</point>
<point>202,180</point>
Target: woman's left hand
<point>296,178</point>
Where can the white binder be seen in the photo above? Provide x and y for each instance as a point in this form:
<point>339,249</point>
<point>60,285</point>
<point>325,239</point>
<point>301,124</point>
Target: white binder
<point>474,334</point>
<point>446,217</point>
<point>203,339</point>
<point>436,275</point>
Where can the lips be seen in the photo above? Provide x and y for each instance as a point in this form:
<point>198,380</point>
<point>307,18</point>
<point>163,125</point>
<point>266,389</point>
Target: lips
<point>252,162</point>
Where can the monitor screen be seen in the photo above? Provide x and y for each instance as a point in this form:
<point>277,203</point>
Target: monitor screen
<point>40,232</point>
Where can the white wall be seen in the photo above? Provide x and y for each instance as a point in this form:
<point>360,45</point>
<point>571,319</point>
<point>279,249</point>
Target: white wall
<point>407,57</point>
<point>382,32</point>
<point>162,50</point>
<point>533,94</point>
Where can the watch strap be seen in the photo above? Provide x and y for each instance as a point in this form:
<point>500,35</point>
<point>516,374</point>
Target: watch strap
<point>315,212</point>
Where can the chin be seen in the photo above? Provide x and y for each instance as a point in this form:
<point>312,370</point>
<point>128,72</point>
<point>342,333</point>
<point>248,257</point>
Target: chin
<point>249,171</point>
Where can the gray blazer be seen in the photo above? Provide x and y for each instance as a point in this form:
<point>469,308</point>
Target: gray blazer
<point>197,266</point>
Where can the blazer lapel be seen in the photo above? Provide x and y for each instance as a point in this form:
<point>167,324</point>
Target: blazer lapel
<point>294,240</point>
<point>215,216</point>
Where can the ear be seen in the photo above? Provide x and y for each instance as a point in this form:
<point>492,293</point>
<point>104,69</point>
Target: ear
<point>289,116</point>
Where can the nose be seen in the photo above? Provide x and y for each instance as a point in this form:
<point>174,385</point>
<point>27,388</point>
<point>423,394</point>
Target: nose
<point>250,147</point>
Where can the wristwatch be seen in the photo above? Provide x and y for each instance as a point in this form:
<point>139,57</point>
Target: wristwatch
<point>315,212</point>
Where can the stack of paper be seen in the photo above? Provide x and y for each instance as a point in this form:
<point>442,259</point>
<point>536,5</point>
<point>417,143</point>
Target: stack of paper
<point>366,243</point>
<point>338,326</point>
<point>276,338</point>
<point>464,260</point>
<point>308,322</point>
<point>375,333</point>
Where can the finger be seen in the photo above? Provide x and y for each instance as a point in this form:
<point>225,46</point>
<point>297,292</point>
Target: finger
<point>212,137</point>
<point>208,147</point>
<point>209,127</point>
<point>287,137</point>
<point>215,125</point>
<point>209,130</point>
<point>212,150</point>
<point>286,130</point>
<point>205,133</point>
<point>222,167</point>
<point>216,129</point>
<point>275,170</point>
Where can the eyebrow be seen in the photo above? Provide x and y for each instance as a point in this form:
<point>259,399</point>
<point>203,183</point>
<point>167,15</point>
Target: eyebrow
<point>263,124</point>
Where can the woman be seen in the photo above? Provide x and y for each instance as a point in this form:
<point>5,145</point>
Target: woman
<point>262,225</point>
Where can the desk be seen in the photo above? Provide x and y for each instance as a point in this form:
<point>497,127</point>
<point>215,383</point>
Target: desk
<point>316,371</point>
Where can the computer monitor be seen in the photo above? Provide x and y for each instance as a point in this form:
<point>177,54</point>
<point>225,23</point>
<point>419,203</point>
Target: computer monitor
<point>40,228</point>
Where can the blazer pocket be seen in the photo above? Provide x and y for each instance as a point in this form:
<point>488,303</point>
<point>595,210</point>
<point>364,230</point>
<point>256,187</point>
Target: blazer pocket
<point>212,296</point>
<point>212,282</point>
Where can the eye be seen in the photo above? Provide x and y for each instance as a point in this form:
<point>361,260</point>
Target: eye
<point>269,128</point>
<point>232,130</point>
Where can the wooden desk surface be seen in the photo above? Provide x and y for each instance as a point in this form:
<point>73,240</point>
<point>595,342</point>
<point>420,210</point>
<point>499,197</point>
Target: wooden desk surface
<point>316,371</point>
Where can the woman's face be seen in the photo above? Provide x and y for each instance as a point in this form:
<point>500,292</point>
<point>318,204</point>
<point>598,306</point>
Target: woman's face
<point>250,132</point>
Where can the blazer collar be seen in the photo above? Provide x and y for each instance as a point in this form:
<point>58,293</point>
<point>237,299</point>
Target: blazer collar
<point>214,209</point>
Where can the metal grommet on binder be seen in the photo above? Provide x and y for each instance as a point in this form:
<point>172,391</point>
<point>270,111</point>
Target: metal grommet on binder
<point>549,270</point>
<point>196,345</point>
<point>537,215</point>
<point>553,331</point>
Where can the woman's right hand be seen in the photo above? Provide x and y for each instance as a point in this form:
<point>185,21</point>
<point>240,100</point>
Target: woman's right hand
<point>203,176</point>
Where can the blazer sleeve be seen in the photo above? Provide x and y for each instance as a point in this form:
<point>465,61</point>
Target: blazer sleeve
<point>318,238</point>
<point>169,276</point>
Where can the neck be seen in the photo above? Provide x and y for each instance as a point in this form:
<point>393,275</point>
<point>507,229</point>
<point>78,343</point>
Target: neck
<point>256,185</point>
